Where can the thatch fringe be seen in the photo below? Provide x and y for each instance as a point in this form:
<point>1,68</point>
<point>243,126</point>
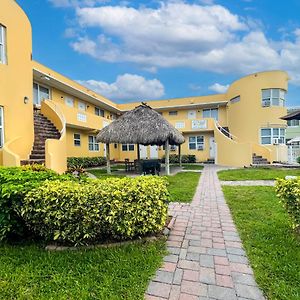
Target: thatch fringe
<point>142,125</point>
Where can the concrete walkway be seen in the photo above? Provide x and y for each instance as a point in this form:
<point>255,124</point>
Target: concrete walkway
<point>206,259</point>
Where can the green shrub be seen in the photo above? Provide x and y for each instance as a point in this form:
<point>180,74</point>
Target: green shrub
<point>86,162</point>
<point>174,159</point>
<point>298,160</point>
<point>15,183</point>
<point>289,193</point>
<point>80,213</point>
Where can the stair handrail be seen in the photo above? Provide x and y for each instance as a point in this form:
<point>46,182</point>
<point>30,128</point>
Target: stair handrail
<point>230,135</point>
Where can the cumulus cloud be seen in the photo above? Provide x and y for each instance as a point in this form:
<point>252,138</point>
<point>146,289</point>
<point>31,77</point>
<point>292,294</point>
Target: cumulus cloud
<point>218,88</point>
<point>179,34</point>
<point>127,87</point>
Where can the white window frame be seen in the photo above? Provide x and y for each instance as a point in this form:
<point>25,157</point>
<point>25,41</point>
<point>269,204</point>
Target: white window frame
<point>280,137</point>
<point>81,108</point>
<point>198,144</point>
<point>101,112</point>
<point>3,45</point>
<point>38,90</point>
<point>127,147</point>
<point>270,101</point>
<point>180,125</point>
<point>69,101</point>
<point>93,146</point>
<point>210,113</point>
<point>76,139</point>
<point>293,123</point>
<point>1,127</point>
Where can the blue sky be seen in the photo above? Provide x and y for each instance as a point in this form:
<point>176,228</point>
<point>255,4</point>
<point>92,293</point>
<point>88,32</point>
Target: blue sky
<point>137,50</point>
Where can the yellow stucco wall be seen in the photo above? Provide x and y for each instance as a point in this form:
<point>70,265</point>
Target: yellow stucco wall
<point>16,79</point>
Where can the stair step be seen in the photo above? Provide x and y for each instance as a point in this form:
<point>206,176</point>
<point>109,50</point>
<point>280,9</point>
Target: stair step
<point>32,161</point>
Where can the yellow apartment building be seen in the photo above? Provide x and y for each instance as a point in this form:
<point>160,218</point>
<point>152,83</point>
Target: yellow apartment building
<point>46,117</point>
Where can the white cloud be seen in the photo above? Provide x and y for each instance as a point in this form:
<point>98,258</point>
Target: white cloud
<point>127,87</point>
<point>178,34</point>
<point>77,3</point>
<point>219,88</point>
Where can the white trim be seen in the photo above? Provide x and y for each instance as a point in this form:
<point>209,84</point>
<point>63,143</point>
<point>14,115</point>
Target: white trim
<point>198,145</point>
<point>3,52</point>
<point>38,90</point>
<point>74,139</point>
<point>94,144</point>
<point>2,126</point>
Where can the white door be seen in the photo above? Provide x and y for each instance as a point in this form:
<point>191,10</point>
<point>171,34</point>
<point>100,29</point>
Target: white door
<point>143,151</point>
<point>154,152</point>
<point>192,114</point>
<point>212,147</point>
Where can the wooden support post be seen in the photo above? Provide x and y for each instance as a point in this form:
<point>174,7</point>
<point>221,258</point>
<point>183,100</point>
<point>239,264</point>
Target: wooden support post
<point>138,152</point>
<point>108,159</point>
<point>167,157</point>
<point>179,154</point>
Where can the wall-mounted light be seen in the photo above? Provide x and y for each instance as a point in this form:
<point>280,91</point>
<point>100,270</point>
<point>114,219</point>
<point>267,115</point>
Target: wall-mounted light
<point>26,100</point>
<point>45,78</point>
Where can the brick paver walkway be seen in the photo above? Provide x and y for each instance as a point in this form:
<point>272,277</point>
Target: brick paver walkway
<point>249,183</point>
<point>206,259</point>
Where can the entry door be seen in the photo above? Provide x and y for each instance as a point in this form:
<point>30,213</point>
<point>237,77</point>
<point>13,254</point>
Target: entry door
<point>212,147</point>
<point>143,151</point>
<point>153,152</point>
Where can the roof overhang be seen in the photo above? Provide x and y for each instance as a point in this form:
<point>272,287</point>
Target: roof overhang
<point>51,81</point>
<point>292,116</point>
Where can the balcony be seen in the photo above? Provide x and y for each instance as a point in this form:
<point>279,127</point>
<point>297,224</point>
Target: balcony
<point>193,125</point>
<point>82,119</point>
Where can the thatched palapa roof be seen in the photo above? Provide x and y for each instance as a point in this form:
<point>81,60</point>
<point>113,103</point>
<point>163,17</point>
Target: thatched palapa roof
<point>142,125</point>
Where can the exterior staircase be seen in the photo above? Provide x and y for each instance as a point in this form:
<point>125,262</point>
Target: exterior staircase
<point>225,131</point>
<point>259,160</point>
<point>43,130</point>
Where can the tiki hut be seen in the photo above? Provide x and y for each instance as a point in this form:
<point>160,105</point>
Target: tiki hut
<point>141,126</point>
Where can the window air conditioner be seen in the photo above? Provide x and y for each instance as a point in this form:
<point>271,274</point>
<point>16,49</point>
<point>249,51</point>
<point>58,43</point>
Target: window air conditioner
<point>275,141</point>
<point>266,103</point>
<point>200,147</point>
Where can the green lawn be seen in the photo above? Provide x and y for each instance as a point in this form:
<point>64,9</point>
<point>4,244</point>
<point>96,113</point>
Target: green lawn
<point>102,173</point>
<point>192,167</point>
<point>182,186</point>
<point>270,243</point>
<point>29,272</point>
<point>256,174</point>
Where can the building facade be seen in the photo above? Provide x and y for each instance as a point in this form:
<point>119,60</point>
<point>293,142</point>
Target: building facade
<point>236,128</point>
<point>293,136</point>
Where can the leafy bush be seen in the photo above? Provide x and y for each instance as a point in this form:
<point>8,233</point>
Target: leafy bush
<point>174,159</point>
<point>86,162</point>
<point>298,160</point>
<point>289,193</point>
<point>15,183</point>
<point>76,213</point>
<point>34,167</point>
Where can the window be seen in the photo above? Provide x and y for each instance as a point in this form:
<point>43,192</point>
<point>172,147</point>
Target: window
<point>180,125</point>
<point>40,93</point>
<point>3,58</point>
<point>192,114</point>
<point>235,99</point>
<point>69,101</point>
<point>77,141</point>
<point>93,145</point>
<point>211,113</point>
<point>81,106</point>
<point>273,97</point>
<point>127,147</point>
<point>99,112</point>
<point>173,113</point>
<point>1,127</point>
<point>196,142</point>
<point>270,136</point>
<point>293,123</point>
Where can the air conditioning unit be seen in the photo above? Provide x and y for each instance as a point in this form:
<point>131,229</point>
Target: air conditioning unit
<point>275,141</point>
<point>200,147</point>
<point>173,148</point>
<point>266,103</point>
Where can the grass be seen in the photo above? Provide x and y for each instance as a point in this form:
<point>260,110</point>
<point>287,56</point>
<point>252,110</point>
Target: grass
<point>102,173</point>
<point>256,174</point>
<point>192,167</point>
<point>271,245</point>
<point>182,186</point>
<point>29,272</point>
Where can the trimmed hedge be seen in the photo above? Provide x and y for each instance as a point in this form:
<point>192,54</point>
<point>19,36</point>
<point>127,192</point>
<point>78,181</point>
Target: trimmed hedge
<point>86,162</point>
<point>15,184</point>
<point>76,213</point>
<point>174,159</point>
<point>289,193</point>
